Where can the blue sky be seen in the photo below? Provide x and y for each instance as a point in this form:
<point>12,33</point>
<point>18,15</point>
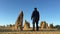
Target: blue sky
<point>49,10</point>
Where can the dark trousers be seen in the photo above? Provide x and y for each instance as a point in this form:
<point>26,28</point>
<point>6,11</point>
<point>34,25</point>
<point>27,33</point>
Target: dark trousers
<point>36,25</point>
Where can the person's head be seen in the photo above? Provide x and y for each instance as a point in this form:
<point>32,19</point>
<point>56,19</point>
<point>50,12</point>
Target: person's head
<point>35,9</point>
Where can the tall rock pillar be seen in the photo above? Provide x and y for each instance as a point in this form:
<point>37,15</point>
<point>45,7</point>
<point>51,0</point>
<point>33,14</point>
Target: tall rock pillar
<point>19,21</point>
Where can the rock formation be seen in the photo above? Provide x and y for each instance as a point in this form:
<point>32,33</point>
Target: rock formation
<point>43,24</point>
<point>19,22</point>
<point>26,25</point>
<point>51,26</point>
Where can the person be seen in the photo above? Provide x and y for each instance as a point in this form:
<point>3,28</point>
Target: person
<point>35,18</point>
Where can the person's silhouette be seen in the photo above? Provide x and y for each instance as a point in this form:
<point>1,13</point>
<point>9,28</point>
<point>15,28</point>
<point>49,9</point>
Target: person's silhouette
<point>35,18</point>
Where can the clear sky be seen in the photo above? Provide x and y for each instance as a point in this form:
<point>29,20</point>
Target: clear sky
<point>49,10</point>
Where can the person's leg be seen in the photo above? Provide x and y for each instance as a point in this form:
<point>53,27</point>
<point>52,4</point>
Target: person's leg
<point>33,25</point>
<point>37,26</point>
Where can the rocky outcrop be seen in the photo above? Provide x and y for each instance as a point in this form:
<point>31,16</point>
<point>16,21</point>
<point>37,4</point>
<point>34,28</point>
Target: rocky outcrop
<point>43,24</point>
<point>19,22</point>
<point>26,25</point>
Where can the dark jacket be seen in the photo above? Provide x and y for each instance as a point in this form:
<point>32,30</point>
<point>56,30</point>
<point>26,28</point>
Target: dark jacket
<point>35,15</point>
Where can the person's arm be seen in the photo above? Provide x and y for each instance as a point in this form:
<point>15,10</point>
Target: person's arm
<point>32,15</point>
<point>38,15</point>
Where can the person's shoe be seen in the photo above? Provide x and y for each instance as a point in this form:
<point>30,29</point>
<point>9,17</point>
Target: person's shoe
<point>33,30</point>
<point>37,30</point>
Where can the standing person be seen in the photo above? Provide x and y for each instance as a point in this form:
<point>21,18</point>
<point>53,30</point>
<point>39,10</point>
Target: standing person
<point>35,18</point>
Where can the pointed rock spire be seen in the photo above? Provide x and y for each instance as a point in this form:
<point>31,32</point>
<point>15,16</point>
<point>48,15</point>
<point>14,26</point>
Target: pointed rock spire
<point>19,21</point>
